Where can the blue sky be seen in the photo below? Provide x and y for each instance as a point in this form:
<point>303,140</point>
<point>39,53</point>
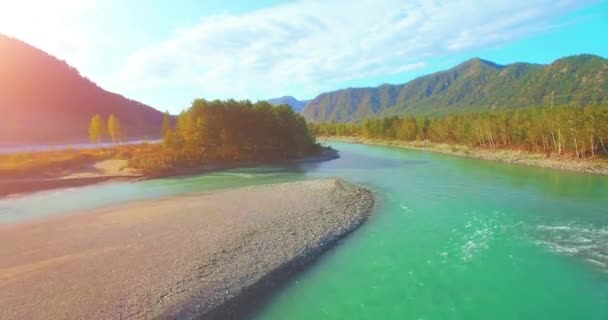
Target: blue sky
<point>166,53</point>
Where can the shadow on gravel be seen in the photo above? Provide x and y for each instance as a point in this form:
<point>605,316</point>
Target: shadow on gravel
<point>255,298</point>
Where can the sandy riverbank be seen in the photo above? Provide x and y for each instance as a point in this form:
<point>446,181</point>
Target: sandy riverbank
<point>594,166</point>
<point>207,254</point>
<point>92,173</point>
<point>118,170</point>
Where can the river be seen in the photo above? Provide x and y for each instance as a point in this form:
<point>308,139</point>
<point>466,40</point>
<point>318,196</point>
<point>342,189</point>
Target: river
<point>452,238</point>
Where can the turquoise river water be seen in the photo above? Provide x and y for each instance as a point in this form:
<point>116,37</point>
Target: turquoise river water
<point>451,238</point>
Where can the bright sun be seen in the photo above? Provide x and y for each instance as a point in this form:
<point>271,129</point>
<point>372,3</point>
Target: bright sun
<point>37,18</point>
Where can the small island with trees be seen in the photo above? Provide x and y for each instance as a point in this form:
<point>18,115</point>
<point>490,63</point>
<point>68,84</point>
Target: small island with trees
<point>229,131</point>
<point>208,136</point>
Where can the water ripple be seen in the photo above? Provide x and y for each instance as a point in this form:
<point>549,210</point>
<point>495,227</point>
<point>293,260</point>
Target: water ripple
<point>587,242</point>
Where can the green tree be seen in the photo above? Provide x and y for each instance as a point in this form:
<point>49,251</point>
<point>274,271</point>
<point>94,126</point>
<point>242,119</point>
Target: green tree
<point>231,130</point>
<point>562,130</point>
<point>166,127</point>
<point>96,129</point>
<point>115,129</point>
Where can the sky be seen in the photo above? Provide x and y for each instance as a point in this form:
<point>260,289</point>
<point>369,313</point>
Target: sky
<point>167,53</point>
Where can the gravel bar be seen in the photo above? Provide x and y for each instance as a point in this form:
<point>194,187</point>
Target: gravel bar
<point>212,255</point>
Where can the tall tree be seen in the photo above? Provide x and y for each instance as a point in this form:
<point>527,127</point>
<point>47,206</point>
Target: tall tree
<point>166,125</point>
<point>96,129</point>
<point>115,129</point>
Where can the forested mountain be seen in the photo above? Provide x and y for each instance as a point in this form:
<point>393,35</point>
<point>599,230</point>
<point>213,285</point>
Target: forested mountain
<point>43,100</point>
<point>295,104</point>
<point>473,85</point>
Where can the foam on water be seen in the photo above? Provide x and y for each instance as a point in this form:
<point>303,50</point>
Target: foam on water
<point>473,237</point>
<point>587,242</point>
<point>476,242</point>
<point>405,208</point>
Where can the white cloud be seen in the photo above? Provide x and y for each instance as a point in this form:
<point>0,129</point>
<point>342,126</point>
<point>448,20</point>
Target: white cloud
<point>302,47</point>
<point>318,44</point>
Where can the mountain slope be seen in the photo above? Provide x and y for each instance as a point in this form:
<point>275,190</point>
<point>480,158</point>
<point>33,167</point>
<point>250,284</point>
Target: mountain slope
<point>44,100</point>
<point>295,104</point>
<point>474,84</point>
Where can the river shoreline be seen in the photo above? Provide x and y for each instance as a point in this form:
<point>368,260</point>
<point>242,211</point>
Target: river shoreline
<point>23,186</point>
<point>591,166</point>
<point>154,260</point>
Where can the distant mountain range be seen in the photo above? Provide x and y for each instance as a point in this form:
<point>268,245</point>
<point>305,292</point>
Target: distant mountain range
<point>45,101</point>
<point>473,85</point>
<point>296,104</point>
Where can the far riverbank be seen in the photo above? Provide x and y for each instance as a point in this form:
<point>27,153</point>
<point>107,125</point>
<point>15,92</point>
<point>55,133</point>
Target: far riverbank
<point>583,165</point>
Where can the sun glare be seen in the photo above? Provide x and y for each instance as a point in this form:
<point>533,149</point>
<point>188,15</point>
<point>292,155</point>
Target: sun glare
<point>35,19</point>
<point>213,159</point>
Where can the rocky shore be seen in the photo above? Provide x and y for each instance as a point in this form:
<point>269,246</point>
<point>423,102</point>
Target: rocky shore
<point>593,166</point>
<point>199,256</point>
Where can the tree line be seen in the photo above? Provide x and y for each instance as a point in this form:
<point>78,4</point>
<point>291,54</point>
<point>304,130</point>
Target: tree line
<point>98,129</point>
<point>230,130</point>
<point>580,131</point>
